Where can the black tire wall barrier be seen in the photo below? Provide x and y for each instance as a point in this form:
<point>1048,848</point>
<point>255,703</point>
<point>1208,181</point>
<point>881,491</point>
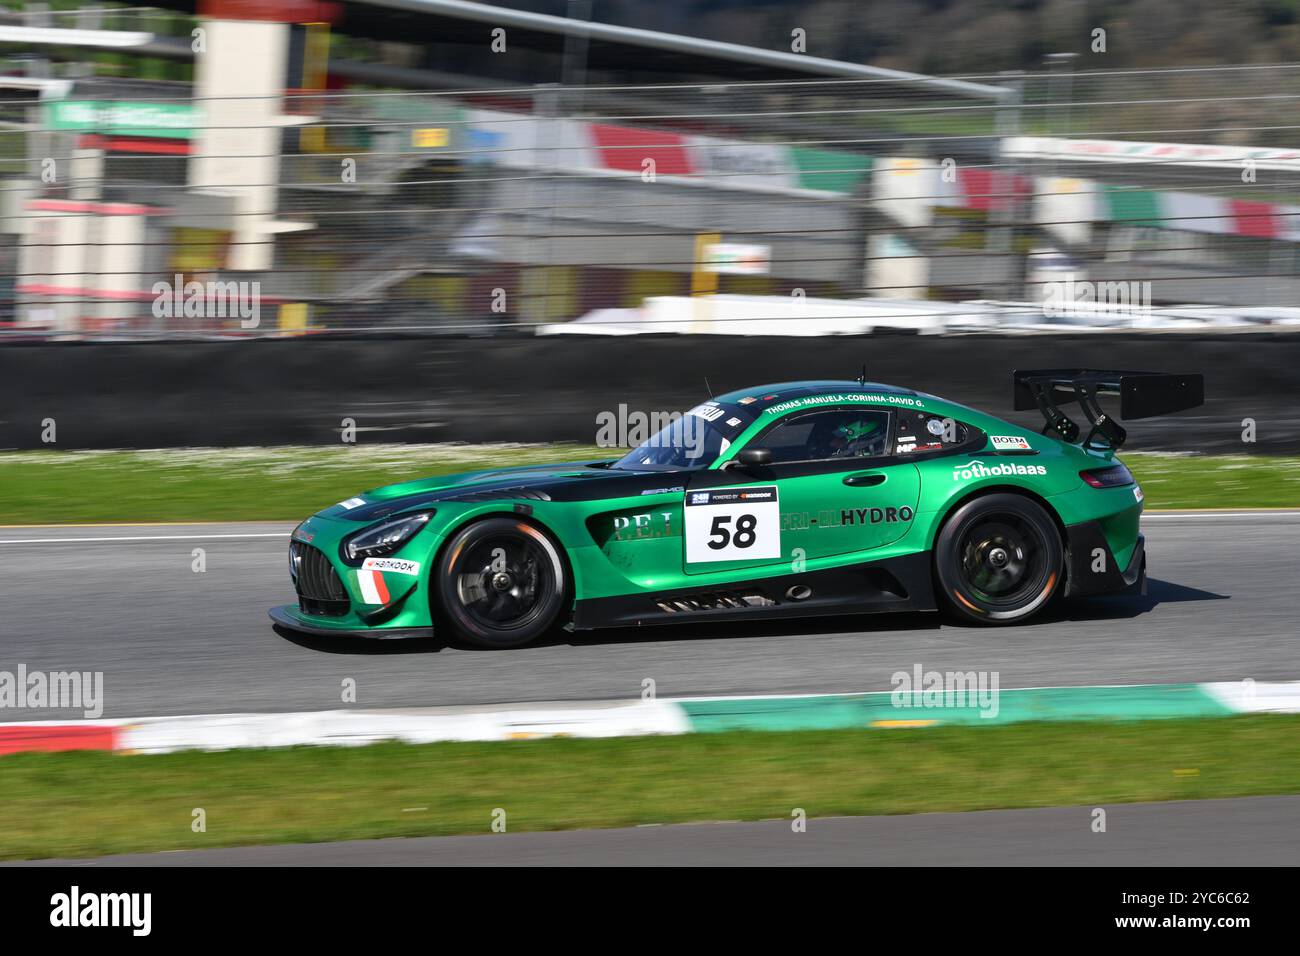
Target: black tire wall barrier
<point>298,392</point>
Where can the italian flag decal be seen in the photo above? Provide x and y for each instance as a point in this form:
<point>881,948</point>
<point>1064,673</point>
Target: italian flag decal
<point>373,588</point>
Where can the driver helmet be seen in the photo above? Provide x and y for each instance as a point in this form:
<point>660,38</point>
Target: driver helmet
<point>851,437</point>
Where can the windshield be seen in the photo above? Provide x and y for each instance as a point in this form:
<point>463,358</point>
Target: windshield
<point>693,440</point>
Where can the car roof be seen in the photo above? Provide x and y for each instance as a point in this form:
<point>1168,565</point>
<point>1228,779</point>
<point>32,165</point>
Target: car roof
<point>764,396</point>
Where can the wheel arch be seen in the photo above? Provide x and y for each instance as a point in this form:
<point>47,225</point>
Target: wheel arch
<point>983,492</point>
<point>464,521</point>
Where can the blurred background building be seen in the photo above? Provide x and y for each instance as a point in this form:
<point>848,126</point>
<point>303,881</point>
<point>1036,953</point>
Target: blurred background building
<point>445,167</point>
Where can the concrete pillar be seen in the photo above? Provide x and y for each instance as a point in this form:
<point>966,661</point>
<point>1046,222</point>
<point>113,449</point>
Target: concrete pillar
<point>86,174</point>
<point>239,91</point>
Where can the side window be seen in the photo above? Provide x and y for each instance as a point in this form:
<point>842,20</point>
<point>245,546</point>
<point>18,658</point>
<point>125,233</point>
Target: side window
<point>834,433</point>
<point>921,433</point>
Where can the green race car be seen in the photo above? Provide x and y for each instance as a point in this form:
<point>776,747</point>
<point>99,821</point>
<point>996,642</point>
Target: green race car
<point>789,500</point>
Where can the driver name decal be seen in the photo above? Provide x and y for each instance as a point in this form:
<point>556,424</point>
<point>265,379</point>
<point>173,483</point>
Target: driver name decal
<point>814,400</point>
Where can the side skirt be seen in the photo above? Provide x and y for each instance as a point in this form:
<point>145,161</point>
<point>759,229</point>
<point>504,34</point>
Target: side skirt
<point>892,584</point>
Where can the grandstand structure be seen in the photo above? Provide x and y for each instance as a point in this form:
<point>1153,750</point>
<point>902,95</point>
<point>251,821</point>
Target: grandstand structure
<point>379,166</point>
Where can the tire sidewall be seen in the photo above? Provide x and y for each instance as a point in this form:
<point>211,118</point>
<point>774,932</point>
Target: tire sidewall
<point>947,561</point>
<point>447,608</point>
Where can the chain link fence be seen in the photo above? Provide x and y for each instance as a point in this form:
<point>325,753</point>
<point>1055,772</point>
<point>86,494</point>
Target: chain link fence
<point>129,211</point>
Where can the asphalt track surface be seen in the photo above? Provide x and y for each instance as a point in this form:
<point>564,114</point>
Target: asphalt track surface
<point>124,600</point>
<point>1249,831</point>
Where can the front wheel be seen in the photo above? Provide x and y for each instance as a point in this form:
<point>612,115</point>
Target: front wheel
<point>999,559</point>
<point>499,583</point>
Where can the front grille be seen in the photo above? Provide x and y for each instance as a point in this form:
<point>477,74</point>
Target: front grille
<point>319,589</point>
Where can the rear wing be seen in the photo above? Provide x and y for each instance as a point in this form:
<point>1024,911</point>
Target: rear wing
<point>1142,395</point>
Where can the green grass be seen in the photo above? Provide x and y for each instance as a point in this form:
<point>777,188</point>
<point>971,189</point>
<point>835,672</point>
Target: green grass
<point>232,484</point>
<point>76,804</point>
<point>1216,481</point>
<point>251,484</point>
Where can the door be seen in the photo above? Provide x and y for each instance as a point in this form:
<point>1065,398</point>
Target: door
<point>831,489</point>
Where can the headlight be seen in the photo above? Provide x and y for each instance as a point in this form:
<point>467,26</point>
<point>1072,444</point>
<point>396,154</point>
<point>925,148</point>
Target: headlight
<point>384,538</point>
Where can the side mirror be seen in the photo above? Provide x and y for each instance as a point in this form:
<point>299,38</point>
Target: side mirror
<point>753,458</point>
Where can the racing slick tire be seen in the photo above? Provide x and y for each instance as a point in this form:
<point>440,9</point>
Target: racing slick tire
<point>998,559</point>
<point>500,583</point>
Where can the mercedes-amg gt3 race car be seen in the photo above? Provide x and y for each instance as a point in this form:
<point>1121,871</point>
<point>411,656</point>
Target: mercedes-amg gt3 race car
<point>789,500</point>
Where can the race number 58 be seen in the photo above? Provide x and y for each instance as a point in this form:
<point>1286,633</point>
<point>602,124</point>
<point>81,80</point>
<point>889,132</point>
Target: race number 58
<point>744,537</point>
<point>732,524</point>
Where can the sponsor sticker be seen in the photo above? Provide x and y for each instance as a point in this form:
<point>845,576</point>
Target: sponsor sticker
<point>1008,442</point>
<point>977,469</point>
<point>391,565</point>
<point>648,524</point>
<point>733,422</point>
<point>352,503</point>
<point>849,516</point>
<point>748,400</point>
<point>708,411</point>
<point>733,524</point>
<point>370,577</point>
<point>1137,492</point>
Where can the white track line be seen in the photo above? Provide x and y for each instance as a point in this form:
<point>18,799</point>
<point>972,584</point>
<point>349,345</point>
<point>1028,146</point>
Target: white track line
<point>1185,516</point>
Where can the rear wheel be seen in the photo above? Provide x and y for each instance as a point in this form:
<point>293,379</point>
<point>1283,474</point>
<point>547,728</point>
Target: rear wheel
<point>500,583</point>
<point>998,559</point>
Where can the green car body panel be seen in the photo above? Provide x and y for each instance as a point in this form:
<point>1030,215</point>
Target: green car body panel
<point>623,532</point>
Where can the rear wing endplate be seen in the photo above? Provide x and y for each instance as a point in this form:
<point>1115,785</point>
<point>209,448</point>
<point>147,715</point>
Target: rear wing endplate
<point>1142,395</point>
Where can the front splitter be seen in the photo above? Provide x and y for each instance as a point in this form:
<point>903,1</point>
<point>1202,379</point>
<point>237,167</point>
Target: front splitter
<point>287,616</point>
